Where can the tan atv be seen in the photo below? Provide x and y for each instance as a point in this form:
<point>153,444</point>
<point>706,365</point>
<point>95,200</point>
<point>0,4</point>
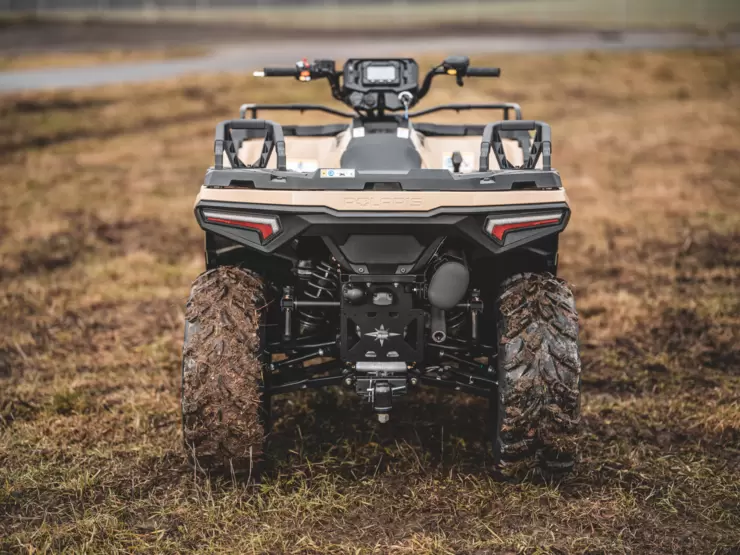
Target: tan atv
<point>381,255</point>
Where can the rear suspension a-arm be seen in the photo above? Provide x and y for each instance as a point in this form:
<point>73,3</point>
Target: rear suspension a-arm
<point>307,377</point>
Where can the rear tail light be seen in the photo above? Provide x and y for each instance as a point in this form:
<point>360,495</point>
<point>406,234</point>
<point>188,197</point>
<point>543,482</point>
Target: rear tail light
<point>499,227</point>
<point>266,226</point>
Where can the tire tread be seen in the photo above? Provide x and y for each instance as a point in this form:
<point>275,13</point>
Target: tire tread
<point>222,371</point>
<point>539,369</point>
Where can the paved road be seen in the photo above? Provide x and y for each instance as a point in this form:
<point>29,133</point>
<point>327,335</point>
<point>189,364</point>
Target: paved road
<point>245,57</point>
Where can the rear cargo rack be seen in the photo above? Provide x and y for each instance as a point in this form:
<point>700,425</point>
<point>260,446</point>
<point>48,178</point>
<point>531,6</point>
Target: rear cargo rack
<point>541,144</point>
<point>250,111</point>
<point>231,133</point>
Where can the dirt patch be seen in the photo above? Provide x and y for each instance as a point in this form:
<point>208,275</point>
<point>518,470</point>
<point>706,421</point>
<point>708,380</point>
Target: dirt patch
<point>88,234</point>
<point>103,326</point>
<point>677,346</point>
<point>5,362</point>
<point>13,410</point>
<point>686,334</point>
<point>706,249</point>
<point>169,243</point>
<point>31,106</point>
<point>88,132</point>
<point>59,250</point>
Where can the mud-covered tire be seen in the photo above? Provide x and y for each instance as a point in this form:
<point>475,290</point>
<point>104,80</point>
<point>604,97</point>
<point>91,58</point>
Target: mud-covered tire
<point>537,407</point>
<point>222,405</point>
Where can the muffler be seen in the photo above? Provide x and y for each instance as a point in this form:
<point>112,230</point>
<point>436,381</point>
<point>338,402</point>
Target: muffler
<point>448,285</point>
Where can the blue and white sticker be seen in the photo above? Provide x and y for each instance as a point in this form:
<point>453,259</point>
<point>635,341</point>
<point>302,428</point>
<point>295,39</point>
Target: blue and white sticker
<point>338,173</point>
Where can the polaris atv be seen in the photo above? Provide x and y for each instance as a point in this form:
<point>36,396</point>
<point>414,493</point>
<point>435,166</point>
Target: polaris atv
<point>381,255</point>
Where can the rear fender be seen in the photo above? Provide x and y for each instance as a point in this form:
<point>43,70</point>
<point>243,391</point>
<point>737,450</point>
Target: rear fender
<point>313,214</point>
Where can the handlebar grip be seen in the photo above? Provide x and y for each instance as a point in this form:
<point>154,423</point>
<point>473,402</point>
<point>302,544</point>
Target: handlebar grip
<point>483,72</point>
<point>280,71</point>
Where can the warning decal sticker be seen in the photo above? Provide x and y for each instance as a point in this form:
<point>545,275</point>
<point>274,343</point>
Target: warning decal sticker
<point>338,173</point>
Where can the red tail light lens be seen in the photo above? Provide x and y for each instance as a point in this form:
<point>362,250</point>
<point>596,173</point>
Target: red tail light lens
<point>266,226</point>
<point>498,227</point>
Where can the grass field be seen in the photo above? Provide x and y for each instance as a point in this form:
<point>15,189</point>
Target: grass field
<point>79,59</point>
<point>98,248</point>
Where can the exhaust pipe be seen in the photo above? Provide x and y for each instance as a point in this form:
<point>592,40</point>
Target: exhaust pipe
<point>439,325</point>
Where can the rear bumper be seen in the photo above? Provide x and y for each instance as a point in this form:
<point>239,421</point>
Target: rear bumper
<point>336,216</point>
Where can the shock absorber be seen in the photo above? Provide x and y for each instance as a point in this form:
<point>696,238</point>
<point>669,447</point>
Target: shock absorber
<point>320,283</point>
<point>455,321</point>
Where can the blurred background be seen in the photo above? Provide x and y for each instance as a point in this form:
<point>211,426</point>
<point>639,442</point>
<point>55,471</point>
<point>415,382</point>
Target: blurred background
<point>107,114</point>
<point>619,13</point>
<point>226,35</point>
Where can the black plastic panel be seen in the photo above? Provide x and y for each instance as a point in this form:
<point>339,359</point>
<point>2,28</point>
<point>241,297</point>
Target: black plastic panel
<point>382,249</point>
<point>412,180</point>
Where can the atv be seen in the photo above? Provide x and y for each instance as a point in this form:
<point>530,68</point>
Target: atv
<point>381,255</point>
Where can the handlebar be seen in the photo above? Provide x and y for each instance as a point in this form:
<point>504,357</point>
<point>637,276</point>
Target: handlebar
<point>305,71</point>
<point>457,66</point>
<point>278,72</point>
<point>464,72</point>
<point>483,72</point>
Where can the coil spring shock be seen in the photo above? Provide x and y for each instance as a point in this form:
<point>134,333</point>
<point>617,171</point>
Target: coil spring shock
<point>455,321</point>
<point>322,284</point>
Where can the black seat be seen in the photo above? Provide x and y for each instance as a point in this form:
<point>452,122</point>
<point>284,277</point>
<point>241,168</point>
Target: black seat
<point>381,151</point>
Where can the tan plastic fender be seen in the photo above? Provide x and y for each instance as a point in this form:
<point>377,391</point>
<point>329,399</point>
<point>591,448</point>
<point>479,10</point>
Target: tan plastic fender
<point>406,201</point>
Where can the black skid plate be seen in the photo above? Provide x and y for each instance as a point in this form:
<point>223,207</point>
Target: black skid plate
<point>383,326</point>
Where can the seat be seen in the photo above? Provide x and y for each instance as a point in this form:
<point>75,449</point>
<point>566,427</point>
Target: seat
<point>381,151</point>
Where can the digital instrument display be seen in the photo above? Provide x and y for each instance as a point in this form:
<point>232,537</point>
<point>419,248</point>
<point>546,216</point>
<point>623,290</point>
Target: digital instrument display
<point>380,74</point>
<point>375,83</point>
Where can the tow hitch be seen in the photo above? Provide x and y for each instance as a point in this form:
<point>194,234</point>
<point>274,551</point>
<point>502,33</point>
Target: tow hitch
<point>379,382</point>
<point>382,401</point>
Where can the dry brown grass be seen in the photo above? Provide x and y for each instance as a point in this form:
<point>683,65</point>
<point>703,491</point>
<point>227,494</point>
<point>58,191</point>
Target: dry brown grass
<point>99,247</point>
<point>85,59</point>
